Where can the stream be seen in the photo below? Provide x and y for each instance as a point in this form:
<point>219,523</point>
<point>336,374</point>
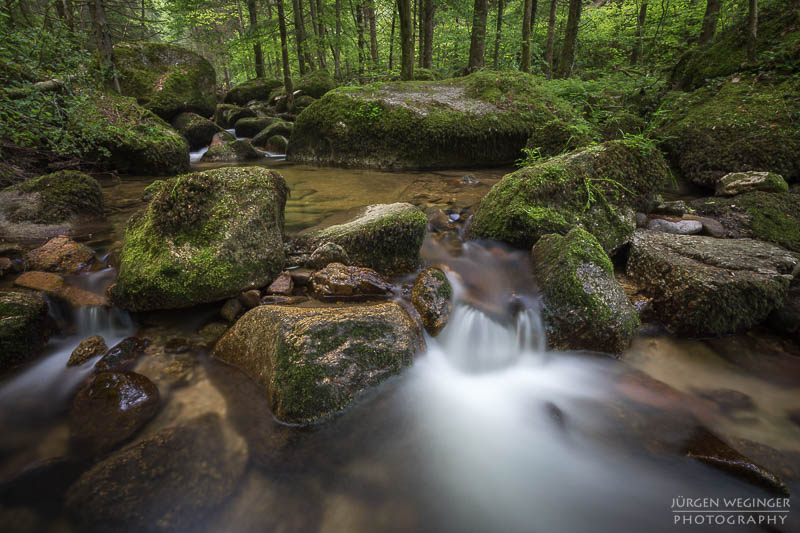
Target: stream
<point>486,431</point>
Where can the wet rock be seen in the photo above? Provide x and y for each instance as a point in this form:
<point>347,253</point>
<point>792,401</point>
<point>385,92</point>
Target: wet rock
<point>681,227</point>
<point>729,401</point>
<point>251,126</point>
<point>273,299</point>
<point>384,237</point>
<point>40,281</point>
<point>197,130</point>
<point>166,482</point>
<point>110,409</point>
<point>279,127</point>
<point>87,349</point>
<point>231,310</point>
<point>53,284</point>
<point>60,254</point>
<point>675,208</point>
<point>438,220</point>
<point>283,285</point>
<point>188,248</point>
<point>314,361</point>
<point>24,327</point>
<point>122,355</point>
<point>337,280</point>
<point>77,297</point>
<point>469,179</point>
<point>301,277</point>
<point>709,449</point>
<point>597,188</point>
<point>166,79</point>
<point>232,152</point>
<point>211,332</point>
<point>228,115</point>
<point>6,266</point>
<point>326,253</point>
<point>432,297</point>
<point>257,89</point>
<point>177,345</point>
<point>277,144</point>
<point>739,182</point>
<point>706,286</point>
<point>585,308</point>
<point>221,138</point>
<point>786,318</point>
<point>250,299</point>
<point>710,226</point>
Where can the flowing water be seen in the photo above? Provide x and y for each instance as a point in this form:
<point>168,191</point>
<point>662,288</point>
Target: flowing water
<point>486,431</point>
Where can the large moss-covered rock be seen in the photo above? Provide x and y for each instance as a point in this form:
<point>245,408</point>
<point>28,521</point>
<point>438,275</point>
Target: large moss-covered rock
<point>585,307</point>
<point>166,79</point>
<point>773,217</point>
<point>232,152</point>
<point>708,286</point>
<point>278,127</point>
<point>166,482</point>
<point>204,237</point>
<point>740,182</point>
<point>482,119</point>
<point>197,130</point>
<point>251,126</point>
<point>384,237</point>
<point>53,198</point>
<point>314,361</point>
<point>732,127</point>
<point>227,115</point>
<point>315,84</point>
<point>23,330</point>
<point>597,188</point>
<point>257,89</point>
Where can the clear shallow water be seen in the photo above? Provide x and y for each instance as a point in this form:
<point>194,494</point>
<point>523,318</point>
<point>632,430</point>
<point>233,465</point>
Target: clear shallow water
<point>484,432</point>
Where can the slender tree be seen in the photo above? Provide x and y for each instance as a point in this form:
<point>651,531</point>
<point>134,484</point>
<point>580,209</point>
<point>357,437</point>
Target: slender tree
<point>498,33</point>
<point>640,20</point>
<point>391,38</point>
<point>752,30</point>
<point>551,38</point>
<point>428,9</point>
<point>406,39</point>
<point>567,55</point>
<point>287,69</point>
<point>337,46</point>
<point>373,34</point>
<point>526,36</point>
<point>317,29</point>
<point>359,20</point>
<point>477,43</point>
<point>258,53</point>
<point>709,22</point>
<point>299,35</point>
<point>102,35</point>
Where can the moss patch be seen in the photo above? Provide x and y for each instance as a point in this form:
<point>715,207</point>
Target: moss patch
<point>257,89</point>
<point>22,327</point>
<point>60,196</point>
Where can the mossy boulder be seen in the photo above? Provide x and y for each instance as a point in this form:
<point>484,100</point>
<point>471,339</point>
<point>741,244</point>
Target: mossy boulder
<point>277,144</point>
<point>53,198</point>
<point>773,217</point>
<point>204,237</point>
<point>734,126</point>
<point>197,130</point>
<point>706,286</point>
<point>432,296</point>
<point>166,79</point>
<point>279,127</point>
<point>739,182</point>
<point>584,307</point>
<point>483,119</point>
<point>129,138</point>
<point>23,327</point>
<point>597,188</point>
<point>232,152</point>
<point>247,91</point>
<point>313,362</point>
<point>384,237</point>
<point>301,102</point>
<point>251,126</point>
<point>315,84</point>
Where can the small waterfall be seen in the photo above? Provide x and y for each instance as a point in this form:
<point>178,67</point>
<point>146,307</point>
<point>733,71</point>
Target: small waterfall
<point>197,155</point>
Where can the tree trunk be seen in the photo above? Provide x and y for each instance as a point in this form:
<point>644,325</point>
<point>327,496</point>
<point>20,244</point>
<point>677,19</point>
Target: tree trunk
<point>420,18</point>
<point>637,47</point>
<point>406,39</point>
<point>299,34</point>
<point>477,43</point>
<point>391,39</point>
<point>498,33</point>
<point>359,12</point>
<point>567,56</point>
<point>373,36</point>
<point>322,32</point>
<point>287,69</point>
<point>709,22</point>
<point>752,31</point>
<point>551,38</point>
<point>105,48</point>
<point>258,53</point>
<point>526,36</point>
<point>429,9</point>
<point>337,66</point>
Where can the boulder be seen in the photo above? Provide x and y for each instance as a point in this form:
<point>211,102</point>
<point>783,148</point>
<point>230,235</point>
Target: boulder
<point>276,144</point>
<point>110,409</point>
<point>231,310</point>
<point>166,79</point>
<point>707,286</point>
<point>221,138</point>
<point>166,482</point>
<point>251,298</point>
<point>87,349</point>
<point>483,119</point>
<point>314,361</point>
<point>24,328</point>
<point>681,227</point>
<point>228,115</point>
<point>60,254</point>
<point>60,197</point>
<point>197,130</point>
<point>301,102</point>
<point>786,318</point>
<point>327,253</point>
<point>205,236</point>
<point>279,127</point>
<point>337,280</point>
<point>772,217</point>
<point>251,126</point>
<point>40,281</point>
<point>739,125</point>
<point>739,182</point>
<point>258,89</point>
<point>232,152</point>
<point>315,84</point>
<point>432,297</point>
<point>282,285</point>
<point>122,355</point>
<point>584,307</point>
<point>597,188</point>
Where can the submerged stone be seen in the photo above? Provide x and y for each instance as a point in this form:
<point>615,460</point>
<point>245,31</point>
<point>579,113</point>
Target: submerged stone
<point>87,349</point>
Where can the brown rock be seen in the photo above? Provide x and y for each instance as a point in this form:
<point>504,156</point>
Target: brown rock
<point>88,348</point>
<point>122,355</point>
<point>282,285</point>
<point>301,277</point>
<point>110,409</point>
<point>40,281</point>
<point>710,226</point>
<point>274,299</point>
<point>60,254</point>
<point>250,299</point>
<point>432,297</point>
<point>77,297</point>
<point>6,266</point>
<point>337,279</point>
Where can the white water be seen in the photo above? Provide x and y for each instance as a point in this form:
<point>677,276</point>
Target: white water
<point>197,155</point>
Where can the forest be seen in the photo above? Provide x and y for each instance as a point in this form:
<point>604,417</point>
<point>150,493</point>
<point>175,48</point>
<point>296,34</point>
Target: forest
<point>399,265</point>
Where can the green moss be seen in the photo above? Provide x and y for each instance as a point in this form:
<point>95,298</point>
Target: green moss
<point>232,152</point>
<point>62,195</point>
<point>257,89</point>
<point>197,130</point>
<point>251,126</point>
<point>316,83</point>
<point>22,331</point>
